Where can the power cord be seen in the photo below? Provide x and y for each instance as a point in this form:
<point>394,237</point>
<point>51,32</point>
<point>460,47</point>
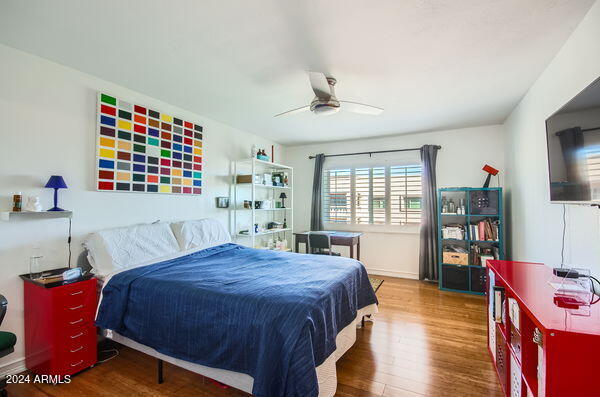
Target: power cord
<point>69,241</point>
<point>592,301</point>
<point>115,351</point>
<point>596,280</point>
<point>562,249</point>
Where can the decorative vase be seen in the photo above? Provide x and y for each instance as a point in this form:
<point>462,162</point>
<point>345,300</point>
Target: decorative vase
<point>33,204</point>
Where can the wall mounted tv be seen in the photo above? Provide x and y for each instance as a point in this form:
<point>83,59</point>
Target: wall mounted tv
<point>573,137</point>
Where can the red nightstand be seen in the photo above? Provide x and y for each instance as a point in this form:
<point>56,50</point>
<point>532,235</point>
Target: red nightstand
<point>60,336</point>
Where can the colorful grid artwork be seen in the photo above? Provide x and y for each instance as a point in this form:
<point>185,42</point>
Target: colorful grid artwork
<point>142,150</point>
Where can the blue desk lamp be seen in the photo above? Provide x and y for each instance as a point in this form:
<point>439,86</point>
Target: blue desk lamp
<point>56,182</point>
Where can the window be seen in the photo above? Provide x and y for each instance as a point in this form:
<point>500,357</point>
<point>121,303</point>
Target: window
<point>373,195</point>
<point>592,157</point>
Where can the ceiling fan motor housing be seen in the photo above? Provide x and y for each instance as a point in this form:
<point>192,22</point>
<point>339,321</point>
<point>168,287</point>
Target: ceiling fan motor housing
<point>326,106</point>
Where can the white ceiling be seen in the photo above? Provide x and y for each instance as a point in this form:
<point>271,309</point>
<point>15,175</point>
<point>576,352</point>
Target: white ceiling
<point>431,64</point>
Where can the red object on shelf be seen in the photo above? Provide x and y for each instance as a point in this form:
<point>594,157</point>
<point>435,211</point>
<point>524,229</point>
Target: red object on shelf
<point>60,336</point>
<point>565,363</point>
<point>490,170</point>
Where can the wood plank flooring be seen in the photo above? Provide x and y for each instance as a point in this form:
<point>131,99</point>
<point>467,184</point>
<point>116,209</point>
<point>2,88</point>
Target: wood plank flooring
<point>424,342</point>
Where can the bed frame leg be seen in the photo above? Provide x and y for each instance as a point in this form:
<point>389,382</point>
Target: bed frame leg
<point>160,372</point>
<point>362,322</point>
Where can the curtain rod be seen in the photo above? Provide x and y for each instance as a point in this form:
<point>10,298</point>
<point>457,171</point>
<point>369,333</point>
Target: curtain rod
<point>591,129</point>
<point>371,153</point>
<point>583,130</point>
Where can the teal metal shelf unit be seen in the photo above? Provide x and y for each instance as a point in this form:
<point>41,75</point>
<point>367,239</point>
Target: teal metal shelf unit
<point>480,204</point>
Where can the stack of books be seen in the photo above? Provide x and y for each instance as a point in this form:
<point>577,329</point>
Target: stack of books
<point>480,255</point>
<point>485,230</point>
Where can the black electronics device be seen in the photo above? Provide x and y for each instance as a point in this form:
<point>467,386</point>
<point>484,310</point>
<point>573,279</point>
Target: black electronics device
<point>565,272</point>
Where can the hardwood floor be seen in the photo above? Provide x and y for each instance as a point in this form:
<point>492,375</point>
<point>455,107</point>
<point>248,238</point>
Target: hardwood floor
<point>423,342</point>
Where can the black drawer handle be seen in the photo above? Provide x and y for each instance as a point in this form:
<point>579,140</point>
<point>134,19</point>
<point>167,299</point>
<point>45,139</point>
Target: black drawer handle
<point>76,307</point>
<point>76,293</point>
<point>76,322</point>
<point>77,336</point>
<point>77,363</point>
<point>76,350</point>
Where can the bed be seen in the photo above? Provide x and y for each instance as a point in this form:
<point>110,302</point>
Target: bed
<point>268,323</point>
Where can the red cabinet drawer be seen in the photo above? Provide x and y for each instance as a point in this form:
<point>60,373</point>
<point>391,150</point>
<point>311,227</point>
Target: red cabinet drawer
<point>78,315</point>
<point>75,304</point>
<point>75,349</point>
<point>70,338</point>
<point>72,362</point>
<point>76,294</point>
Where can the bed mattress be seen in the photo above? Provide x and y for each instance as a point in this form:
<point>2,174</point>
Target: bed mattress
<point>326,372</point>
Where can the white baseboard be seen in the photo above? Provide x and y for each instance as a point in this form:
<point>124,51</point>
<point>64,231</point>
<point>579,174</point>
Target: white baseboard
<point>14,367</point>
<point>392,273</point>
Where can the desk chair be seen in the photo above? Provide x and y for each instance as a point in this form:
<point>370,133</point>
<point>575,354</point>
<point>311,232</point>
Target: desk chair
<point>320,243</point>
<point>7,341</point>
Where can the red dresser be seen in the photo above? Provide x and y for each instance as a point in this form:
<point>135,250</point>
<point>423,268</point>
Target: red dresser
<point>60,336</point>
<point>540,342</point>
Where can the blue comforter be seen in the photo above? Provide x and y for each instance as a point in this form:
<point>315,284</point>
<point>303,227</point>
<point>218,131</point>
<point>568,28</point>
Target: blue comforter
<point>271,315</point>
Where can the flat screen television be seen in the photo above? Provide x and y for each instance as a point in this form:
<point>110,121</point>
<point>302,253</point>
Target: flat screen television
<point>573,140</point>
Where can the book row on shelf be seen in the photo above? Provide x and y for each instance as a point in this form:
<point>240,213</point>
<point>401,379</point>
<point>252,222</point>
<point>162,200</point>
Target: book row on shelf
<point>484,230</point>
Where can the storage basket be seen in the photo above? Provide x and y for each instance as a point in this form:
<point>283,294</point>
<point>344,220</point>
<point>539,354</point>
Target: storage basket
<point>456,258</point>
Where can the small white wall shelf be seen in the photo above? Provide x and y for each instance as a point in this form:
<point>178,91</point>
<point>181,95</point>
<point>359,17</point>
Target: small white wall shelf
<point>26,215</point>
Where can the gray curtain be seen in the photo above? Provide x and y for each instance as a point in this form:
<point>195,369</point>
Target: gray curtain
<point>316,216</point>
<point>428,255</point>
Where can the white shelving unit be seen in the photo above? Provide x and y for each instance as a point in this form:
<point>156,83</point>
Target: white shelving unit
<point>244,219</point>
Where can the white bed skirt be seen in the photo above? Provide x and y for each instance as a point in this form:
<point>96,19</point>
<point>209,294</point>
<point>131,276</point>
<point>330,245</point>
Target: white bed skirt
<point>326,372</point>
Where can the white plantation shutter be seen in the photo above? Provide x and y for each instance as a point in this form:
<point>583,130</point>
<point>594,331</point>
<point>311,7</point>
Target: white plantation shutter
<point>337,196</point>
<point>405,194</point>
<point>593,170</point>
<point>389,195</point>
<point>362,192</point>
<point>378,196</point>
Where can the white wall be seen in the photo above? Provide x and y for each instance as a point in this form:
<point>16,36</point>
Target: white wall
<point>535,226</point>
<point>396,252</point>
<point>48,127</point>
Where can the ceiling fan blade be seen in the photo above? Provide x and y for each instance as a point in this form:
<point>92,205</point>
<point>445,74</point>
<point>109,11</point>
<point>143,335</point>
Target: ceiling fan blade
<point>361,108</point>
<point>302,109</point>
<point>319,84</point>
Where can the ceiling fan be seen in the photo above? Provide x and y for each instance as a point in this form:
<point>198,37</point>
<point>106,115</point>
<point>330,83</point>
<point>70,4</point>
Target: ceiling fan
<point>325,101</point>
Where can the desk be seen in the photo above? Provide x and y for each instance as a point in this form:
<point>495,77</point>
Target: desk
<point>348,239</point>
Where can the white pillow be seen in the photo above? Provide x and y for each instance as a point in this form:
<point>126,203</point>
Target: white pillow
<point>200,234</point>
<point>117,249</point>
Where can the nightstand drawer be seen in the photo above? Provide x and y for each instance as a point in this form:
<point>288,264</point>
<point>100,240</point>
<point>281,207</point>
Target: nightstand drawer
<point>77,315</point>
<point>75,335</point>
<point>78,360</point>
<point>76,349</point>
<point>72,295</point>
<point>75,304</point>
<point>74,339</point>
